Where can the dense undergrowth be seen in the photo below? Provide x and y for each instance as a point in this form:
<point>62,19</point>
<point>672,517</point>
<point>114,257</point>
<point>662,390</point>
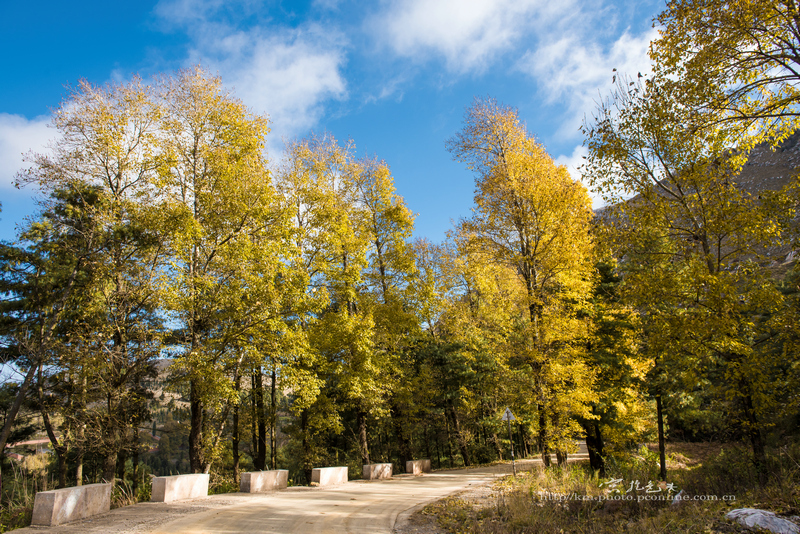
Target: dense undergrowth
<point>17,499</point>
<point>629,498</point>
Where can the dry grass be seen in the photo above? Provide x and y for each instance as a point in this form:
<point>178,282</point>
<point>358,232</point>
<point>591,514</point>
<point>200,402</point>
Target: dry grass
<point>16,507</point>
<point>682,455</point>
<point>122,494</point>
<point>573,500</point>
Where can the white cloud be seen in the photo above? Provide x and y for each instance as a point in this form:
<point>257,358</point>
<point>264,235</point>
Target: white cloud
<point>579,74</point>
<point>18,136</point>
<point>573,162</point>
<point>567,66</point>
<point>187,13</point>
<point>467,33</point>
<point>328,5</point>
<point>287,73</point>
<point>288,76</point>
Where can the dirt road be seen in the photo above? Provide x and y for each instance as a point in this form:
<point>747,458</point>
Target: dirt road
<point>355,507</point>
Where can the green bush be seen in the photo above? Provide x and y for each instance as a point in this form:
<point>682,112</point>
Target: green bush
<point>15,515</point>
<point>221,483</point>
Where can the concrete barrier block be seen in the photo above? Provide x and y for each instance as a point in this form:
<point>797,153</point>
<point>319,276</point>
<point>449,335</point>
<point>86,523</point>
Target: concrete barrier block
<point>417,467</point>
<point>376,471</point>
<point>259,481</point>
<point>56,507</point>
<point>179,487</point>
<point>329,476</point>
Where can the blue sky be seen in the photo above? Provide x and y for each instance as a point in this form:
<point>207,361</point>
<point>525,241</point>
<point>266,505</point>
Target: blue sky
<point>393,75</point>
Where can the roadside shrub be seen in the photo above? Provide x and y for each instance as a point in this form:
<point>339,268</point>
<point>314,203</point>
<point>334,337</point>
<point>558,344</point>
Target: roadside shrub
<point>16,506</point>
<point>122,494</point>
<point>221,483</point>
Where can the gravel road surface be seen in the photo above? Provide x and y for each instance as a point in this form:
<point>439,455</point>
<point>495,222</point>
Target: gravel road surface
<point>356,507</point>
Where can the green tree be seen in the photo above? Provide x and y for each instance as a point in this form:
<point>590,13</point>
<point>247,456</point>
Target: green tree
<point>313,184</point>
<point>105,152</point>
<point>42,283</point>
<point>350,231</point>
<point>476,369</point>
<point>692,245</point>
<point>620,412</point>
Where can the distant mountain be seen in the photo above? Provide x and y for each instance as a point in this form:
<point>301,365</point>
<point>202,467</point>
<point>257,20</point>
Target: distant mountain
<point>767,169</point>
<point>770,168</point>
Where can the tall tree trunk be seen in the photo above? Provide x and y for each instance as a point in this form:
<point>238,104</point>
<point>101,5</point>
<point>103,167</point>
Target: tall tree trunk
<point>403,443</point>
<point>438,450</point>
<point>449,439</point>
<point>261,459</point>
<point>79,454</point>
<point>253,419</point>
<point>662,456</point>
<point>306,445</point>
<point>544,449</point>
<point>205,464</point>
<point>482,425</point>
<point>122,459</point>
<point>462,443</point>
<point>59,448</point>
<point>196,428</point>
<point>361,422</point>
<point>80,433</point>
<point>561,454</point>
<point>109,466</point>
<point>525,442</point>
<point>756,439</point>
<point>594,446</point>
<point>136,469</point>
<point>427,442</point>
<point>535,311</point>
<point>62,471</point>
<point>273,420</point>
<point>237,384</point>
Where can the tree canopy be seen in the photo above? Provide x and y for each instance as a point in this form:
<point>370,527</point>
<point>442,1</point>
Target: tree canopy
<point>182,293</point>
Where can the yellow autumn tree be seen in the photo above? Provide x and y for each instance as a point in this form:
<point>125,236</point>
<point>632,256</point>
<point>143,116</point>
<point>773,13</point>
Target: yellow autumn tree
<point>350,231</point>
<point>226,236</point>
<point>533,217</point>
<point>735,60</point>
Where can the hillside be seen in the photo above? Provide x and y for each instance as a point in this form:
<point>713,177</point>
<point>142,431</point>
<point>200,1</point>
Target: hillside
<point>768,168</point>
